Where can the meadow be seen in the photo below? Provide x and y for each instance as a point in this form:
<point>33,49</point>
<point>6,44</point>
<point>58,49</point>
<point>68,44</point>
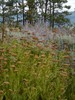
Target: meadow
<point>34,69</point>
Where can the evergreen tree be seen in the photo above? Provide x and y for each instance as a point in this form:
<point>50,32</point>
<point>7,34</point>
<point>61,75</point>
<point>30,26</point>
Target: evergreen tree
<point>32,11</point>
<point>3,11</point>
<point>52,10</point>
<point>49,10</point>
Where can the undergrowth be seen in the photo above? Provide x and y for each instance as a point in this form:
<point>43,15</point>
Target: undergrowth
<point>29,71</point>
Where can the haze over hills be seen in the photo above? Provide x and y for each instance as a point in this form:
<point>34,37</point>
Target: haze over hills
<point>71,17</point>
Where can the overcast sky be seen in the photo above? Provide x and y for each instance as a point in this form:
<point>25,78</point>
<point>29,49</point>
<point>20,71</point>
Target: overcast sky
<point>72,4</point>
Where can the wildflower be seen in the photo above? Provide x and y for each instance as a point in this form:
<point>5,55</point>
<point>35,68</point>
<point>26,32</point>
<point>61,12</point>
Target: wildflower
<point>24,44</point>
<point>10,90</point>
<point>22,38</point>
<point>1,66</point>
<point>14,54</point>
<point>1,92</point>
<point>1,58</point>
<point>5,59</point>
<point>5,62</point>
<point>54,47</point>
<point>67,52</point>
<point>47,76</point>
<point>2,51</point>
<point>66,65</point>
<point>8,50</point>
<point>35,64</point>
<point>15,70</point>
<point>56,60</point>
<point>39,62</point>
<point>36,57</point>
<point>33,33</point>
<point>39,46</point>
<point>53,53</point>
<point>67,56</point>
<point>61,69</point>
<point>55,30</point>
<point>14,46</point>
<point>35,38</point>
<point>43,56</point>
<point>13,66</point>
<point>25,80</point>
<point>26,31</point>
<point>64,74</point>
<point>6,83</point>
<point>41,41</point>
<point>44,35</point>
<point>44,63</point>
<point>19,62</point>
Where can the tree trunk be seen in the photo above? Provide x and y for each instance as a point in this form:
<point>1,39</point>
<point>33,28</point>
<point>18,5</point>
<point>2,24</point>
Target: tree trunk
<point>50,15</point>
<point>3,14</point>
<point>53,15</point>
<point>17,12</point>
<point>45,16</point>
<point>3,24</point>
<point>23,11</point>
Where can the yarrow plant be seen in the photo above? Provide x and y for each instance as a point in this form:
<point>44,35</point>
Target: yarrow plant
<point>36,69</point>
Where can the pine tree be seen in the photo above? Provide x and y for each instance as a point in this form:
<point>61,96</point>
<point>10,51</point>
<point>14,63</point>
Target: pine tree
<point>49,10</point>
<point>32,11</point>
<point>3,11</point>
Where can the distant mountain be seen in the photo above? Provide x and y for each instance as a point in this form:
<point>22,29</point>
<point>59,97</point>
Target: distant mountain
<point>72,17</point>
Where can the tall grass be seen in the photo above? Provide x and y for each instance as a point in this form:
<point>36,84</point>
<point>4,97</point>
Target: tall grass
<point>28,72</point>
<point>37,70</point>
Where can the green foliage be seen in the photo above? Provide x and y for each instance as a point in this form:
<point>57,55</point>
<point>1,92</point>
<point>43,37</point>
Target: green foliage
<point>28,72</point>
<point>47,10</point>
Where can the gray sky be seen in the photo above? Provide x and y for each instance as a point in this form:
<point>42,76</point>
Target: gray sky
<point>72,4</point>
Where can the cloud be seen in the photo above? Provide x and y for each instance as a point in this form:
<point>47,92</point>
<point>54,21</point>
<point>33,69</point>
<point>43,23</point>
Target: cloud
<point>72,4</point>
